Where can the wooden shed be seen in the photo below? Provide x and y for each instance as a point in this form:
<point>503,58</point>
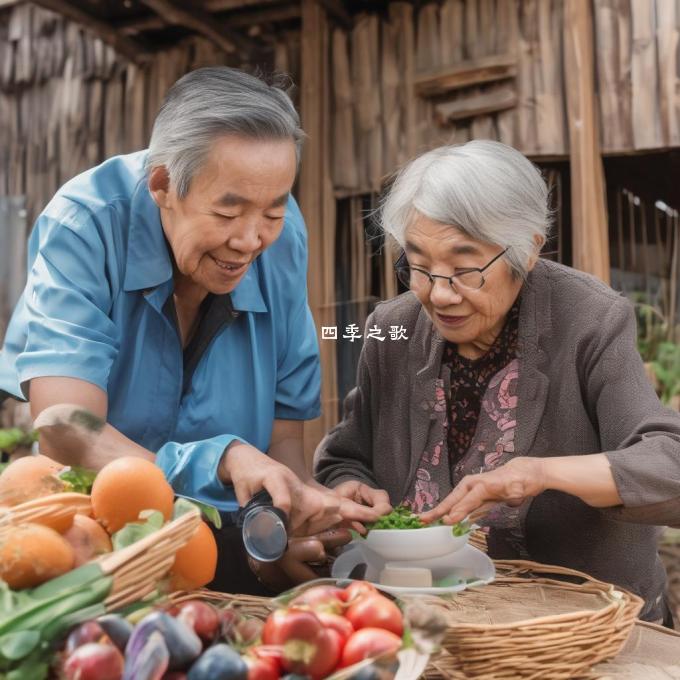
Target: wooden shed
<point>589,89</point>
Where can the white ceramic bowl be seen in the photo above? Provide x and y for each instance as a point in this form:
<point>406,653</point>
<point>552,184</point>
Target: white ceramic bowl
<point>414,544</point>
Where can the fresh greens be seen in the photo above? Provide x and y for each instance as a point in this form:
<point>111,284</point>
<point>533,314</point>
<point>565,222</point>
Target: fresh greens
<point>184,504</point>
<point>78,479</point>
<point>31,620</point>
<point>12,437</point>
<point>150,521</point>
<point>402,518</point>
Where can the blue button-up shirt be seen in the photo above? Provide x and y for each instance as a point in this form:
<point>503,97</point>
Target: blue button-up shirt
<point>99,274</point>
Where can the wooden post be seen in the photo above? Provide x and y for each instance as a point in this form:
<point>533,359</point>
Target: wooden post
<point>590,234</point>
<point>317,203</point>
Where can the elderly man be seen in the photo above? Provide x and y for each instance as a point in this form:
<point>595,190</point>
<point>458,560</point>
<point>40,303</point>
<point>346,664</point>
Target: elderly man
<point>166,294</point>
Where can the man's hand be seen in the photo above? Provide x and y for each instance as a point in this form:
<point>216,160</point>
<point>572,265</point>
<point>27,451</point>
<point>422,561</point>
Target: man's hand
<point>361,503</point>
<point>305,555</point>
<point>249,470</point>
<point>511,483</point>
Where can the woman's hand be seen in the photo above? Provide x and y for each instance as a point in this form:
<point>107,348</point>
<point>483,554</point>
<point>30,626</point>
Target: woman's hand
<point>305,558</point>
<point>249,470</point>
<point>511,483</point>
<point>361,503</point>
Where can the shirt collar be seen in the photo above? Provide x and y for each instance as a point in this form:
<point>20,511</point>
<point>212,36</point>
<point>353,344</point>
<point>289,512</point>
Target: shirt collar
<point>148,260</point>
<point>149,263</point>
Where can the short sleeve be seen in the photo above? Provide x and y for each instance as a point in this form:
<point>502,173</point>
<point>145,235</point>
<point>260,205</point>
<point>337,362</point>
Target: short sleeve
<point>66,303</point>
<point>298,380</point>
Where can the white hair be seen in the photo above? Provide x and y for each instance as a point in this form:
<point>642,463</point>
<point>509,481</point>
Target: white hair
<point>210,102</point>
<point>488,190</point>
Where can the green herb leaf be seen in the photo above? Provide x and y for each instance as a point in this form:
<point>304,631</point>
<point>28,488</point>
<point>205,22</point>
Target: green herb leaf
<point>152,520</point>
<point>184,504</point>
<point>78,479</point>
<point>15,646</point>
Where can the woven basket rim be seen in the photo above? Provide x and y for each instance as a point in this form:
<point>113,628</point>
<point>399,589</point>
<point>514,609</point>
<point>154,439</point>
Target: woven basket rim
<point>616,598</point>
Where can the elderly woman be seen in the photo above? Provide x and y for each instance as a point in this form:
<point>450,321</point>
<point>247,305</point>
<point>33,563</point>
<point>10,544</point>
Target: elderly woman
<point>521,392</point>
<point>166,294</point>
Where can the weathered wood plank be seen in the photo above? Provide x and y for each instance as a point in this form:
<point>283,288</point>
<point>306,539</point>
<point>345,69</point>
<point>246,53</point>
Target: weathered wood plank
<point>489,101</point>
<point>451,24</point>
<point>668,36</point>
<point>129,48</point>
<point>345,171</point>
<point>466,74</point>
<point>646,123</point>
<point>318,204</point>
<point>590,235</point>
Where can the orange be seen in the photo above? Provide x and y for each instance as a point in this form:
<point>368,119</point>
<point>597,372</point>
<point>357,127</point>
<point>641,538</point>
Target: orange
<point>88,539</point>
<point>196,562</point>
<point>30,477</point>
<point>31,554</point>
<point>127,486</point>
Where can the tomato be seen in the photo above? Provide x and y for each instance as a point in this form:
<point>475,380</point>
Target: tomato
<point>358,589</point>
<point>272,654</point>
<point>376,611</point>
<point>308,648</point>
<point>337,623</point>
<point>322,598</point>
<point>368,643</point>
<point>261,668</point>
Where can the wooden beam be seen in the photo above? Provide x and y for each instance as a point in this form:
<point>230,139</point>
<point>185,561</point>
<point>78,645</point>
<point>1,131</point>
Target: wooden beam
<point>234,20</point>
<point>318,204</point>
<point>337,11</point>
<point>465,74</point>
<point>497,99</point>
<point>204,23</point>
<point>127,47</point>
<point>227,5</point>
<point>590,234</point>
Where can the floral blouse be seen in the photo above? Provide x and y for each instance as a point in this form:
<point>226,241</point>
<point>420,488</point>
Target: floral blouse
<point>475,404</point>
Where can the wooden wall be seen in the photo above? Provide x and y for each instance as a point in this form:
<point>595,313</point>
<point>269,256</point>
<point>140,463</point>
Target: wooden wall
<point>67,101</point>
<point>455,70</point>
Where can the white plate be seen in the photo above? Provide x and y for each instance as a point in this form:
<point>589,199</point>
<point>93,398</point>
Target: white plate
<point>466,563</point>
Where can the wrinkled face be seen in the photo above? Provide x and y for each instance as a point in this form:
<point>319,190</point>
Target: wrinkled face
<point>469,318</point>
<point>234,209</point>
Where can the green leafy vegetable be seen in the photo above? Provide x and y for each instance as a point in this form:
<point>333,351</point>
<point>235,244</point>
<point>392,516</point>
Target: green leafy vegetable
<point>151,520</point>
<point>78,479</point>
<point>12,437</point>
<point>402,518</point>
<point>184,504</point>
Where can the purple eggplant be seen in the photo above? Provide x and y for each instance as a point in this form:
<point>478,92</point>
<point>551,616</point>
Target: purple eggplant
<point>220,662</point>
<point>117,628</point>
<point>182,643</point>
<point>150,661</point>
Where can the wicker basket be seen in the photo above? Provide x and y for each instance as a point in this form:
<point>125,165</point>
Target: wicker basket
<point>137,569</point>
<point>528,624</point>
<point>48,509</point>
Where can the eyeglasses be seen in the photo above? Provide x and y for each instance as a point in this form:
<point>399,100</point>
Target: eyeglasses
<point>417,279</point>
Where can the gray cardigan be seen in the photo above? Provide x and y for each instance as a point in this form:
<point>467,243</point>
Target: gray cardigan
<point>582,389</point>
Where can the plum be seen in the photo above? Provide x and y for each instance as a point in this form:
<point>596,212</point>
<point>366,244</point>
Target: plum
<point>220,662</point>
<point>182,643</point>
<point>117,628</point>
<point>201,617</point>
<point>94,661</point>
<point>150,660</point>
<point>90,631</point>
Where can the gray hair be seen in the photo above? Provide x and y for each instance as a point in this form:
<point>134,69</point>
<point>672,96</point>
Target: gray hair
<point>214,101</point>
<point>488,190</point>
